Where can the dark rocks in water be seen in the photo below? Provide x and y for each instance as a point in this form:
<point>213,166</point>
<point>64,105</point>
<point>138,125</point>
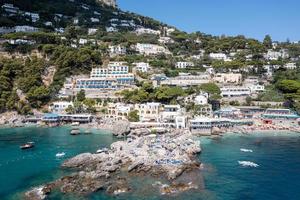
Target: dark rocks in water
<point>167,156</point>
<point>118,186</point>
<point>80,184</point>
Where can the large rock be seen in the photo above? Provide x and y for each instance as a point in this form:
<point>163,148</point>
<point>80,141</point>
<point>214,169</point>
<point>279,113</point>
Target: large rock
<point>121,128</point>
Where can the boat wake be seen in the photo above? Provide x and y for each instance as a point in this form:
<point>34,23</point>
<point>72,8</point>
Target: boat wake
<point>59,155</point>
<point>246,150</point>
<point>248,164</point>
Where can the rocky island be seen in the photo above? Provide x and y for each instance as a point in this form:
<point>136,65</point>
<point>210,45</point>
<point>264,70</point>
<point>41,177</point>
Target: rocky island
<point>171,157</point>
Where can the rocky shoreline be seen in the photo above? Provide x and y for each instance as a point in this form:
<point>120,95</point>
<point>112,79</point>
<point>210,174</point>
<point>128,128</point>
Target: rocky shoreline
<point>171,156</point>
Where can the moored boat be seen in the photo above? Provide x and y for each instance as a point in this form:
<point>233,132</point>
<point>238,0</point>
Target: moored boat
<point>28,145</point>
<point>75,131</point>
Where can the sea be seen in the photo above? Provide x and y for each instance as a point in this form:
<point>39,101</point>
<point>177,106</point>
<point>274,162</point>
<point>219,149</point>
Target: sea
<point>260,166</point>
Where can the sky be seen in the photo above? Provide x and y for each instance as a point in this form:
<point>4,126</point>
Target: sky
<point>252,18</point>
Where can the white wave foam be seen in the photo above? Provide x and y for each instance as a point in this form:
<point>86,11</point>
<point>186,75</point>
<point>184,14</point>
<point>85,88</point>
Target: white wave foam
<point>246,150</point>
<point>248,164</point>
<point>60,154</point>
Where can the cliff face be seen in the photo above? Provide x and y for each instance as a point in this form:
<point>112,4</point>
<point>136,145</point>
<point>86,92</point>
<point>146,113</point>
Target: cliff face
<point>112,3</point>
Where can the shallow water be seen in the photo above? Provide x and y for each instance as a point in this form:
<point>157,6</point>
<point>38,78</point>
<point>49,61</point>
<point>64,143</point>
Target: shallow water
<point>277,175</point>
<point>22,169</point>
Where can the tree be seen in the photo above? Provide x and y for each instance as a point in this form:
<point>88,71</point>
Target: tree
<point>38,96</point>
<point>267,42</point>
<point>288,86</point>
<point>210,88</point>
<point>133,116</point>
<point>80,96</point>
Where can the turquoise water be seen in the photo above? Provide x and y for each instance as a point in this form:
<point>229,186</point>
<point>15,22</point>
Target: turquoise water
<point>22,169</point>
<point>276,177</point>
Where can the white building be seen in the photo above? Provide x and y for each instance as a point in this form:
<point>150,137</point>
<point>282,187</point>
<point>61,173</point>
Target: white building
<point>83,41</point>
<point>235,91</point>
<point>224,78</point>
<point>148,112</point>
<point>290,66</point>
<point>111,29</point>
<point>256,88</point>
<point>218,56</point>
<point>141,31</point>
<point>173,114</point>
<point>22,41</point>
<point>92,31</point>
<point>275,55</point>
<point>204,125</point>
<point>117,64</point>
<point>117,50</point>
<point>10,8</point>
<point>94,20</point>
<point>142,67</point>
<point>27,29</point>
<point>5,30</point>
<point>183,65</point>
<point>201,99</point>
<point>118,111</point>
<point>60,106</point>
<point>34,16</point>
<point>151,49</point>
<point>48,23</point>
<point>165,40</point>
<point>187,80</point>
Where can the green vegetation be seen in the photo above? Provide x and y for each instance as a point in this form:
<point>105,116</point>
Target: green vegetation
<point>133,116</point>
<point>147,93</point>
<point>212,89</point>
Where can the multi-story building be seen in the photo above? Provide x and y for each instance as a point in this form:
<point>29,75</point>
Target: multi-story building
<point>280,114</point>
<point>140,31</point>
<point>290,66</point>
<point>218,56</point>
<point>92,31</point>
<point>10,8</point>
<point>142,67</point>
<point>112,77</point>
<point>187,80</point>
<point>151,49</point>
<point>205,125</point>
<point>149,112</point>
<point>117,50</point>
<point>183,65</point>
<point>228,78</point>
<point>235,91</point>
<point>60,106</point>
<point>27,29</point>
<point>173,114</point>
<point>118,111</point>
<point>34,16</point>
<point>275,55</point>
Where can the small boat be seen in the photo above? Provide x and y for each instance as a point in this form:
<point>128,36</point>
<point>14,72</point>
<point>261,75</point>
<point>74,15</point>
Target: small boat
<point>75,131</point>
<point>75,124</point>
<point>28,145</point>
<point>59,155</point>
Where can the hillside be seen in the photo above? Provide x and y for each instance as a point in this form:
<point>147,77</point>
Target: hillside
<point>63,13</point>
<point>70,37</point>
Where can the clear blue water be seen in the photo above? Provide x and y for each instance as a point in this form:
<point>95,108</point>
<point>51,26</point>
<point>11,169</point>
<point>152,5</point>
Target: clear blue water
<point>276,177</point>
<point>22,169</point>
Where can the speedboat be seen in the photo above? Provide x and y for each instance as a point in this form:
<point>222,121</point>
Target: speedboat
<point>28,145</point>
<point>75,131</point>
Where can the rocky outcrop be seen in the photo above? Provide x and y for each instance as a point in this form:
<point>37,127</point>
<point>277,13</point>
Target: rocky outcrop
<point>12,119</point>
<point>170,156</point>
